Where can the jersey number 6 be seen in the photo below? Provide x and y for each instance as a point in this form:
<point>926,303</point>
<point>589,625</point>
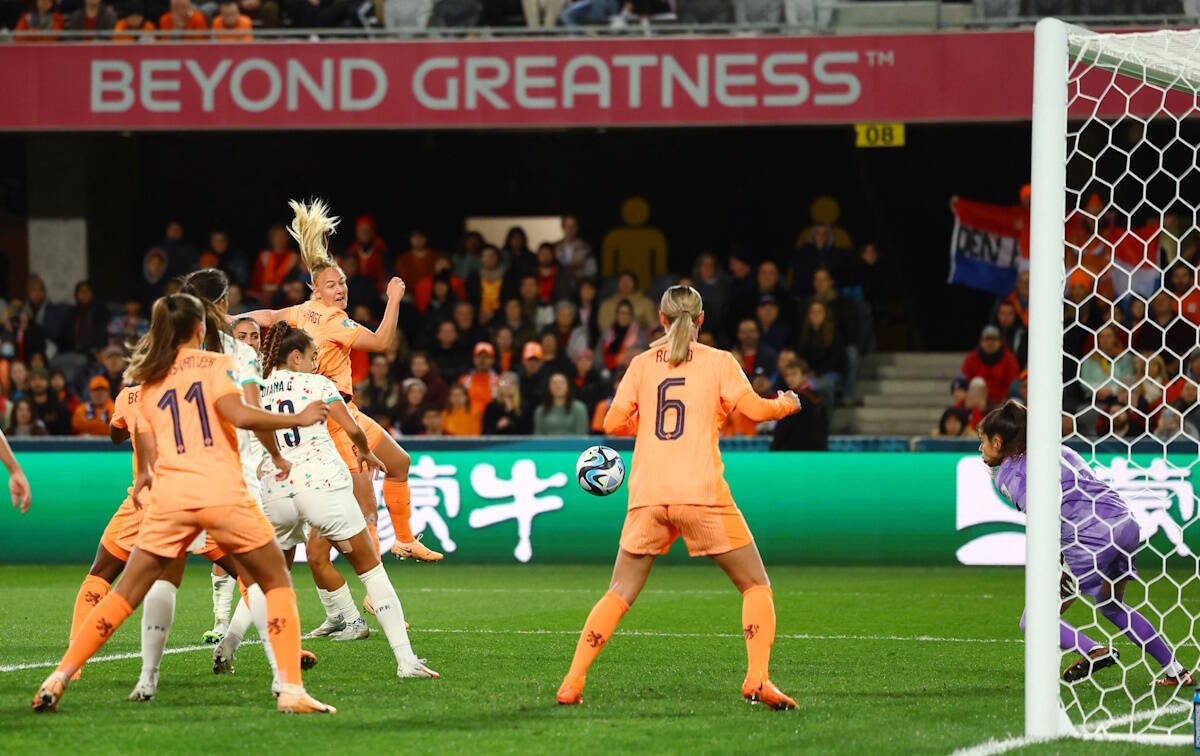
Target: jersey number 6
<point>665,404</point>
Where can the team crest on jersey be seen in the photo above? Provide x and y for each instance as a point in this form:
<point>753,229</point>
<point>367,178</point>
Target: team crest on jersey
<point>232,377</point>
<point>348,323</point>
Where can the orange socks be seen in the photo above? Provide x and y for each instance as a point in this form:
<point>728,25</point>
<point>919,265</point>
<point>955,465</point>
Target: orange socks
<point>399,507</point>
<point>758,625</point>
<point>283,627</point>
<point>94,631</point>
<point>599,627</point>
<point>91,593</point>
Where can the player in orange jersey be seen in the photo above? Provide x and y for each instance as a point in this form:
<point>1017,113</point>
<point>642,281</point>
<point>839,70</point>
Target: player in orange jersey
<point>324,317</point>
<point>676,396</point>
<point>189,478</point>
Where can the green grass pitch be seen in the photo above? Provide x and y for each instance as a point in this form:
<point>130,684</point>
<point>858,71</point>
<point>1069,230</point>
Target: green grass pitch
<point>895,660</point>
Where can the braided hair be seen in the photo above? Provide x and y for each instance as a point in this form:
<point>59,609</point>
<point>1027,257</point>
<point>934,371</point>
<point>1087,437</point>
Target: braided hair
<point>281,340</point>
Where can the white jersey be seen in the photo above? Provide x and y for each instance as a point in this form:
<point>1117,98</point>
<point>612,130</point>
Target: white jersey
<point>316,464</point>
<point>248,371</point>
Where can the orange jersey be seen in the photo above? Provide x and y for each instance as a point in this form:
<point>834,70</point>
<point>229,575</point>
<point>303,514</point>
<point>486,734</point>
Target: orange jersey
<point>198,464</point>
<point>678,413</point>
<point>334,333</point>
<point>124,411</point>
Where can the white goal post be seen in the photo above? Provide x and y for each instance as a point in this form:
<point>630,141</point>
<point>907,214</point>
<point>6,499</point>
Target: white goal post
<point>1079,76</point>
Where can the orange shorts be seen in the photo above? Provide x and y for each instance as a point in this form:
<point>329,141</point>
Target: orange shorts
<point>122,530</point>
<point>234,528</point>
<point>341,439</point>
<point>707,531</point>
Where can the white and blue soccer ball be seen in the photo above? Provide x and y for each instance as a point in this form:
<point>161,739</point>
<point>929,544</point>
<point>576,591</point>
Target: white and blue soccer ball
<point>600,470</point>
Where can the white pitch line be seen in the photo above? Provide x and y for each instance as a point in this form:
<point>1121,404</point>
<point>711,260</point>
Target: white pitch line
<point>1098,731</point>
<point>714,592</point>
<point>630,633</point>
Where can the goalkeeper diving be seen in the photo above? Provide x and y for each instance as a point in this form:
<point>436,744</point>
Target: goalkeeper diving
<point>1099,538</point>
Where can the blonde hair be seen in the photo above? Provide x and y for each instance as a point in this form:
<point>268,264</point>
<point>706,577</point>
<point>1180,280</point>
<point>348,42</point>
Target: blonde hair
<point>311,228</point>
<point>681,306</point>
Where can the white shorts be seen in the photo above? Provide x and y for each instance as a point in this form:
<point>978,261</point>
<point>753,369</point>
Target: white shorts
<point>332,513</point>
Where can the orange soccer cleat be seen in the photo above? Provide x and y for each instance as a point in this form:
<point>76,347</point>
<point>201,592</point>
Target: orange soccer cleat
<point>51,692</point>
<point>293,699</point>
<point>764,691</point>
<point>415,550</point>
<point>1184,680</point>
<point>569,694</point>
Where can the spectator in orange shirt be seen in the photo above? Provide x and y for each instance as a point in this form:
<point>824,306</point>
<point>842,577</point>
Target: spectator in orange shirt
<point>482,382</point>
<point>273,264</point>
<point>92,17</point>
<point>42,18</point>
<point>231,25</point>
<point>133,26</point>
<point>370,250</point>
<point>91,418</point>
<point>458,419</point>
<point>182,22</point>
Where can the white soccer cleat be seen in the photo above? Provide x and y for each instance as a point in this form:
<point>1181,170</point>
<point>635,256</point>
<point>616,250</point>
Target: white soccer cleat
<point>415,668</point>
<point>330,626</point>
<point>145,690</point>
<point>222,658</point>
<point>356,630</point>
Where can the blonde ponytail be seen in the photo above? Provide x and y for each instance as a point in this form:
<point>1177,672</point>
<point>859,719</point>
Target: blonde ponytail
<point>311,228</point>
<point>681,306</point>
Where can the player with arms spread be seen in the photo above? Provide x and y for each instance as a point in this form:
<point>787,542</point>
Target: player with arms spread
<point>676,396</point>
<point>1099,538</point>
<point>190,480</point>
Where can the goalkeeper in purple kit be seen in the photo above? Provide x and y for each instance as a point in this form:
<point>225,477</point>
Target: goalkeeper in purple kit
<point>1099,538</point>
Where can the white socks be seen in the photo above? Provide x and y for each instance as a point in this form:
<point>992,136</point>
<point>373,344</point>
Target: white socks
<point>238,625</point>
<point>343,604</point>
<point>158,612</point>
<point>389,612</point>
<point>223,588</point>
<point>258,612</point>
<point>327,602</point>
<point>1174,669</point>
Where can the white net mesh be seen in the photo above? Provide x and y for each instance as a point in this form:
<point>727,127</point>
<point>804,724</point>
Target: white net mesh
<point>1130,371</point>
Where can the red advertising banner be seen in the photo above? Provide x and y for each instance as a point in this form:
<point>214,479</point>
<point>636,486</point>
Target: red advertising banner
<point>658,81</point>
<point>984,76</point>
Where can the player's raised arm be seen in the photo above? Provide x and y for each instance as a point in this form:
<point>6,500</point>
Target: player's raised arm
<point>18,486</point>
<point>381,338</point>
<point>266,318</point>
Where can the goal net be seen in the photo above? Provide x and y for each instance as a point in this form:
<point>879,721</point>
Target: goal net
<point>1115,250</point>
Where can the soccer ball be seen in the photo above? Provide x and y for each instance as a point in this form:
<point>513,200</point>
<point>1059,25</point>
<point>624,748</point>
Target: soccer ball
<point>600,470</point>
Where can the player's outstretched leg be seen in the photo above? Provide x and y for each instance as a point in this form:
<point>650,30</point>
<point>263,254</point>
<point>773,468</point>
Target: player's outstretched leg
<point>398,499</point>
<point>223,585</point>
<point>745,568</point>
<point>629,575</point>
<point>1139,630</point>
<point>106,567</point>
<point>1093,656</point>
<point>342,620</point>
<point>99,625</point>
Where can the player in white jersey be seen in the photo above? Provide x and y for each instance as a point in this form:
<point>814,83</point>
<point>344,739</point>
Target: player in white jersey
<point>318,493</point>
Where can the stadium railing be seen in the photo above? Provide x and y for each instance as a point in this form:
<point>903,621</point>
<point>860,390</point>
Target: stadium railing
<point>843,17</point>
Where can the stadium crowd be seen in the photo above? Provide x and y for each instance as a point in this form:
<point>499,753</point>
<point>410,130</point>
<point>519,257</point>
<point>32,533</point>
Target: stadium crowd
<point>1131,321</point>
<point>492,339</point>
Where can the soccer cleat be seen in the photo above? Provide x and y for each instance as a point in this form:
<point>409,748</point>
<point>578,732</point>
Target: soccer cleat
<point>569,694</point>
<point>415,550</point>
<point>51,692</point>
<point>308,659</point>
<point>330,626</point>
<point>415,668</point>
<point>1099,658</point>
<point>216,634</point>
<point>356,630</point>
<point>766,692</point>
<point>144,691</point>
<point>1184,680</point>
<point>294,700</point>
<point>222,660</point>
